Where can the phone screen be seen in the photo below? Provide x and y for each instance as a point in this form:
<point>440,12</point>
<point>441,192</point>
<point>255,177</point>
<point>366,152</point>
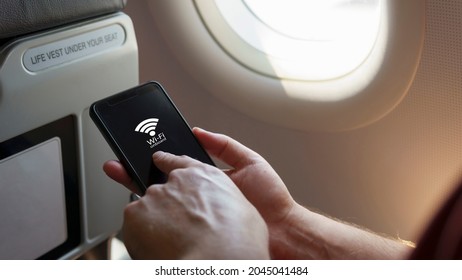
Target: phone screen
<point>141,121</point>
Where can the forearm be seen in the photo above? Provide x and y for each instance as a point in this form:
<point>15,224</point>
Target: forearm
<point>308,235</point>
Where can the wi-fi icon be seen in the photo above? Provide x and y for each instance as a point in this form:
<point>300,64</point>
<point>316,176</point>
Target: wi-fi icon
<point>147,126</point>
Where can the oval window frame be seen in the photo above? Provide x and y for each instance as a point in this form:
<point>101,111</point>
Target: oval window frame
<point>246,40</point>
<point>367,94</point>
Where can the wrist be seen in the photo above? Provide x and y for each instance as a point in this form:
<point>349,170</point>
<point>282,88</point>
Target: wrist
<point>294,236</point>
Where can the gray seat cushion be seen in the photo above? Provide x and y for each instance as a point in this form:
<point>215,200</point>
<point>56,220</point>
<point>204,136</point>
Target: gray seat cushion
<point>19,17</point>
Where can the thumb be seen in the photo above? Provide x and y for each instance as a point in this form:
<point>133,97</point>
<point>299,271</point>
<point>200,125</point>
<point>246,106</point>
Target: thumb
<point>226,149</point>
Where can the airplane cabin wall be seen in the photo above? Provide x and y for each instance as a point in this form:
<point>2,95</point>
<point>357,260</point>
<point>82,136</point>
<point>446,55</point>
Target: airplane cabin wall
<point>389,176</point>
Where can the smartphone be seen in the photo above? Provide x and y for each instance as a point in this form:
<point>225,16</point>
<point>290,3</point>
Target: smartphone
<point>140,121</point>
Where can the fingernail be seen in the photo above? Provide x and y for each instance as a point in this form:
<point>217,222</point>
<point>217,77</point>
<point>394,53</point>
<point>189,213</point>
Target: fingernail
<point>199,129</point>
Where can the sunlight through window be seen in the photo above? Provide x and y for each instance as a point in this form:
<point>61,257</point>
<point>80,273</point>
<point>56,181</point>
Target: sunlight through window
<point>304,39</point>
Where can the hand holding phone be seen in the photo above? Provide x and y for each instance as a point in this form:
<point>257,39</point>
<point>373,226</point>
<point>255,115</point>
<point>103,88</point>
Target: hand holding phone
<point>140,121</point>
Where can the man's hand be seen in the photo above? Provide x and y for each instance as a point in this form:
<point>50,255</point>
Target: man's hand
<point>260,184</point>
<point>252,174</point>
<point>198,213</point>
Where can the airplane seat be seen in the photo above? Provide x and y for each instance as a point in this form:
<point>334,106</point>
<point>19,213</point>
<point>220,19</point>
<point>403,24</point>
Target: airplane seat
<point>56,58</point>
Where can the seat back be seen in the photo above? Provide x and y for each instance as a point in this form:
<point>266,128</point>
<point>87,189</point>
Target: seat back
<point>56,58</point>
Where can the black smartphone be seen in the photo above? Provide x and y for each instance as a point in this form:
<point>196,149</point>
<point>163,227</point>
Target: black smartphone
<point>140,121</point>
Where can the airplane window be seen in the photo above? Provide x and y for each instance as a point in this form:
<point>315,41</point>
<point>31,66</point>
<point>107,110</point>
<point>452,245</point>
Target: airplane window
<point>303,39</point>
<point>334,64</point>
